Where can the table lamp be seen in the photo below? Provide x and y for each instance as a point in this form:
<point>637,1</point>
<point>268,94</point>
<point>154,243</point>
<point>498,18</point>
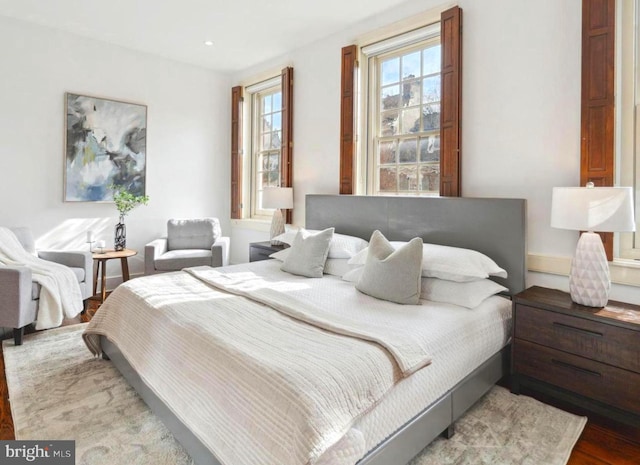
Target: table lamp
<point>278,198</point>
<point>591,209</point>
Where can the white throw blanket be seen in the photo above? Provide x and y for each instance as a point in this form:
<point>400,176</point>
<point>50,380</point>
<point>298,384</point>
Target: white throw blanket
<point>60,293</point>
<point>406,342</point>
<point>254,385</point>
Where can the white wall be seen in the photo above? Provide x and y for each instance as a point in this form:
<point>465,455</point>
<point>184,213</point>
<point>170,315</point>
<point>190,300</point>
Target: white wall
<point>187,144</point>
<point>520,117</point>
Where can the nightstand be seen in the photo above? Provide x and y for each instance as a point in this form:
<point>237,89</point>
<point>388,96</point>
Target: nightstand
<point>584,355</point>
<point>261,250</point>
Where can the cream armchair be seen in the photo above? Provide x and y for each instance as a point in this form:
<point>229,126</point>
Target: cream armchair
<point>19,295</point>
<point>193,242</point>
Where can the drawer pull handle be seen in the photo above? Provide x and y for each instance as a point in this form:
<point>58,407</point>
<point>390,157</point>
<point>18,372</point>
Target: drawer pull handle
<point>575,368</point>
<point>577,330</point>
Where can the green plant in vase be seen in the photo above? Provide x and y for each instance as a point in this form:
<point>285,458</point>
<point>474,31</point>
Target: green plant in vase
<point>125,202</point>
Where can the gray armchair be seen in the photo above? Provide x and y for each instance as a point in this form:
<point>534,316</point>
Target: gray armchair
<point>19,295</point>
<point>193,242</point>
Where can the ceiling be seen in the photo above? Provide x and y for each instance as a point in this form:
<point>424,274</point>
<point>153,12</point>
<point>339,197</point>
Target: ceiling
<point>243,32</point>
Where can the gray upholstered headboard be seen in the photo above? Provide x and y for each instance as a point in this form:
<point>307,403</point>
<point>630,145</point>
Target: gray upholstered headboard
<point>495,227</point>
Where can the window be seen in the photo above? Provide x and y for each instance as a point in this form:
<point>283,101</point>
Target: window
<point>266,143</point>
<point>262,121</point>
<point>404,120</point>
<point>408,112</point>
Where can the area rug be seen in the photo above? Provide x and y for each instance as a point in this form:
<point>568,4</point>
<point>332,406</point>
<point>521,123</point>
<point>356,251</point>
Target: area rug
<point>58,390</point>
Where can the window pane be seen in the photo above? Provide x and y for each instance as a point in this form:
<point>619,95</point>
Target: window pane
<point>389,123</point>
<point>266,104</point>
<point>274,178</point>
<point>408,151</point>
<point>390,97</point>
<point>274,163</point>
<point>431,89</point>
<point>430,178</point>
<point>390,71</point>
<point>431,116</point>
<point>277,101</point>
<point>431,60</point>
<point>411,65</point>
<point>275,140</point>
<point>410,120</point>
<point>276,121</point>
<point>266,123</point>
<point>430,148</point>
<point>408,178</point>
<point>266,141</point>
<point>411,93</point>
<point>388,182</point>
<point>263,162</point>
<point>387,152</point>
<point>264,177</point>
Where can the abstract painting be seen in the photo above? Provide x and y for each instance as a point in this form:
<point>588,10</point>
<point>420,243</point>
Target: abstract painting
<point>105,145</point>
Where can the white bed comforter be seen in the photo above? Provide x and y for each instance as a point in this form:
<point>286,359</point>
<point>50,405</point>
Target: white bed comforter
<point>255,385</point>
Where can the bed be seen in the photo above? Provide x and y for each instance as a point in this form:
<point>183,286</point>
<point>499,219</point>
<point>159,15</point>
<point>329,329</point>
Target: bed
<point>417,405</point>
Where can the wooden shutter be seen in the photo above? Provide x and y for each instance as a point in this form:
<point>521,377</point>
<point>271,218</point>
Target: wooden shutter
<point>451,101</point>
<point>236,152</point>
<point>598,87</point>
<point>286,165</point>
<point>347,118</point>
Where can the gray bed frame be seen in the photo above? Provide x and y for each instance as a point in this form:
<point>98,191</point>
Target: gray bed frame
<point>495,227</point>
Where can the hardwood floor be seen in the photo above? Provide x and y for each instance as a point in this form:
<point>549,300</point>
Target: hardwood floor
<point>603,442</point>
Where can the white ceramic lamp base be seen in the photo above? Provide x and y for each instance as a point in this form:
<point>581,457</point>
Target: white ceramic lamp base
<point>589,281</point>
<point>277,226</point>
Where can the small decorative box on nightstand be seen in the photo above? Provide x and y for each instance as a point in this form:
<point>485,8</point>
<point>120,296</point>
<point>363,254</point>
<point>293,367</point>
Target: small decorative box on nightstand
<point>261,250</point>
<point>588,356</point>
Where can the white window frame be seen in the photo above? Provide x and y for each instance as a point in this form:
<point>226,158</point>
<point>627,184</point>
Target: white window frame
<point>366,164</point>
<point>254,93</point>
<point>627,135</point>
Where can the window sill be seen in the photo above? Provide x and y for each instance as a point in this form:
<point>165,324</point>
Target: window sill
<point>623,271</point>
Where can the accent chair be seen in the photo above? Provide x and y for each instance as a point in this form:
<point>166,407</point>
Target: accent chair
<point>189,242</point>
<point>19,295</point>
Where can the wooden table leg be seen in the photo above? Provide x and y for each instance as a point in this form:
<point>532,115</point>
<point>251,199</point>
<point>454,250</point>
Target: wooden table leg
<point>96,269</point>
<point>104,280</point>
<point>125,269</point>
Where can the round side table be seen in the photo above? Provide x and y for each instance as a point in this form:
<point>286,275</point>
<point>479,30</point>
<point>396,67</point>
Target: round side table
<point>100,262</point>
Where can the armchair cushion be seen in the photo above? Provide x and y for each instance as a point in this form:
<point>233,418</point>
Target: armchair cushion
<point>192,234</point>
<point>175,260</point>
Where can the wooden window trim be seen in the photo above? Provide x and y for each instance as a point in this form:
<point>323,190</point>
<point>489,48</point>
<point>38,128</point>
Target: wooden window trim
<point>451,92</point>
<point>286,153</point>
<point>597,130</point>
<point>348,118</point>
<point>236,152</point>
<point>451,102</point>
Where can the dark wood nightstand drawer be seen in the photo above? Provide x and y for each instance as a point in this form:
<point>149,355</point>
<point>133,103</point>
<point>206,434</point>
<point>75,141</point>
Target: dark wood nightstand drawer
<point>613,386</point>
<point>609,344</point>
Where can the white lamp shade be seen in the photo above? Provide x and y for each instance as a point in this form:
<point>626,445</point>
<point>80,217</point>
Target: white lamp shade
<point>598,209</point>
<point>277,197</point>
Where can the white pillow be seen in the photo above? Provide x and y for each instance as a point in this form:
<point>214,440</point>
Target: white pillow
<point>337,266</point>
<point>450,263</point>
<point>391,274</point>
<point>333,266</point>
<point>342,245</point>
<point>308,254</point>
<point>469,294</point>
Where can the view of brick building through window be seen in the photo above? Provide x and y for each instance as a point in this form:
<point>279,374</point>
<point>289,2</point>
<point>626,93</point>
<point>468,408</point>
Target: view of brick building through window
<point>408,135</point>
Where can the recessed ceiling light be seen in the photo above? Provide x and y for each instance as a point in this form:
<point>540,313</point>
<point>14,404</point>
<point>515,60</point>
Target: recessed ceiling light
<point>208,43</point>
